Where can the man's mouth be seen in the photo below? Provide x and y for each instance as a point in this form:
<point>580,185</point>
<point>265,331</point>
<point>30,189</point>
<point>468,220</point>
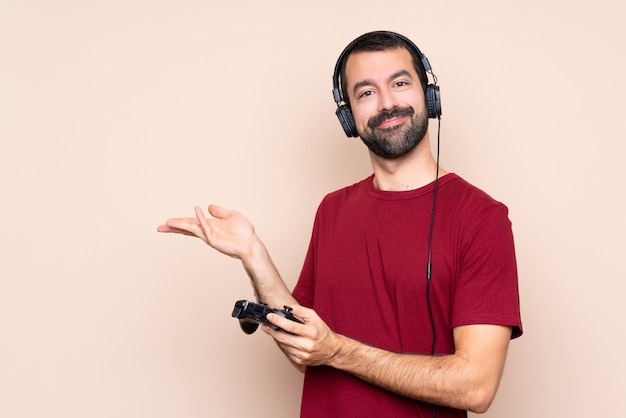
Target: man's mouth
<point>390,123</point>
<point>386,120</point>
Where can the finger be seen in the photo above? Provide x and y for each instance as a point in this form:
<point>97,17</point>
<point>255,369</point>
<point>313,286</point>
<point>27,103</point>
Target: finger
<point>181,223</point>
<point>288,343</point>
<point>164,228</point>
<point>291,356</point>
<point>303,313</point>
<point>185,226</point>
<point>173,224</point>
<point>204,225</point>
<point>292,327</point>
<point>169,229</point>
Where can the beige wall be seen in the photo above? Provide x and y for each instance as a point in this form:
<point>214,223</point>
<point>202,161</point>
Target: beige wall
<point>117,115</point>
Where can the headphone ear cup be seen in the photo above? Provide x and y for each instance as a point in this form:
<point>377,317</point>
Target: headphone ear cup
<point>433,101</point>
<point>344,114</point>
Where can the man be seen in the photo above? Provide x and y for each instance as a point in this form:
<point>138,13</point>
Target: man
<point>408,293</point>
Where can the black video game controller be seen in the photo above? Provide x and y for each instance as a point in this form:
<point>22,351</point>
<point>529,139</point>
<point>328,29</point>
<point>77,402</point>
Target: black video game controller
<point>252,314</point>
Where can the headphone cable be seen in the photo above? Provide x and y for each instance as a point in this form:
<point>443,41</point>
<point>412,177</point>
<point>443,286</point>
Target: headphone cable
<point>430,238</point>
<point>430,248</point>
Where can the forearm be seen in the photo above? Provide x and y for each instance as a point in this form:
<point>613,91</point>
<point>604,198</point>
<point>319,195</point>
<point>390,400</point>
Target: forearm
<point>448,380</point>
<point>268,286</point>
<point>467,379</point>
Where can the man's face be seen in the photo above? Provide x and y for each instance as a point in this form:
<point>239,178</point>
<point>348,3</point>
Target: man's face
<point>387,101</point>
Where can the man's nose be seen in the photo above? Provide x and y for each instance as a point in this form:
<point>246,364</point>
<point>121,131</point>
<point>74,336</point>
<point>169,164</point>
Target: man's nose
<point>386,100</point>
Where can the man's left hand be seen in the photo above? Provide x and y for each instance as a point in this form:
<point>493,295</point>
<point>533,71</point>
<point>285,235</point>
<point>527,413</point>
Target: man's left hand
<point>311,343</point>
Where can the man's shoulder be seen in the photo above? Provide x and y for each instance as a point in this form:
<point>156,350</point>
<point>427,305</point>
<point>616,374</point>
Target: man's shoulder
<point>463,198</point>
<point>463,190</point>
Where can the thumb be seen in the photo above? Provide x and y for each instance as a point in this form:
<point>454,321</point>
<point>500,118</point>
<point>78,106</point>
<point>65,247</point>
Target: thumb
<point>218,211</point>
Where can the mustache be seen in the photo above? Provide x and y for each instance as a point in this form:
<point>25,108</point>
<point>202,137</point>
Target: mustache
<point>374,121</point>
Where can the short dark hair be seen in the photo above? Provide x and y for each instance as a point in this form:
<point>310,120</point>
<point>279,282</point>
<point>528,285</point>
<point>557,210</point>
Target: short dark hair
<point>380,41</point>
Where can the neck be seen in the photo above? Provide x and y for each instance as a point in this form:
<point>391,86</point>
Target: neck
<point>412,171</point>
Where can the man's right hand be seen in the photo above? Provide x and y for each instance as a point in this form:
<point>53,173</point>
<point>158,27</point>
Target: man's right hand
<point>227,231</point>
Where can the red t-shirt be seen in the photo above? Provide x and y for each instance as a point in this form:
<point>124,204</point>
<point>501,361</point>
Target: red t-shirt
<point>365,275</point>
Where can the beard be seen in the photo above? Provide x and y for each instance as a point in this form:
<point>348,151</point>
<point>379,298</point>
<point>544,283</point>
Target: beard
<point>397,141</point>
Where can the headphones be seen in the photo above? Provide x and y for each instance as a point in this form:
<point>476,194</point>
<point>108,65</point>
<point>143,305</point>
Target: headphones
<point>431,91</point>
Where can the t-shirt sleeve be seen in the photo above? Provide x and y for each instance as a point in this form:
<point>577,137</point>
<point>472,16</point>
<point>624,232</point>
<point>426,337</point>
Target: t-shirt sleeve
<point>487,288</point>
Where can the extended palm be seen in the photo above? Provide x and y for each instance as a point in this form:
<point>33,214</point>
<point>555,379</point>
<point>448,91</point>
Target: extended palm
<point>227,231</point>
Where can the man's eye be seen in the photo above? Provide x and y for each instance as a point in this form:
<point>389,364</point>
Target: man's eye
<point>366,93</point>
<point>401,83</point>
